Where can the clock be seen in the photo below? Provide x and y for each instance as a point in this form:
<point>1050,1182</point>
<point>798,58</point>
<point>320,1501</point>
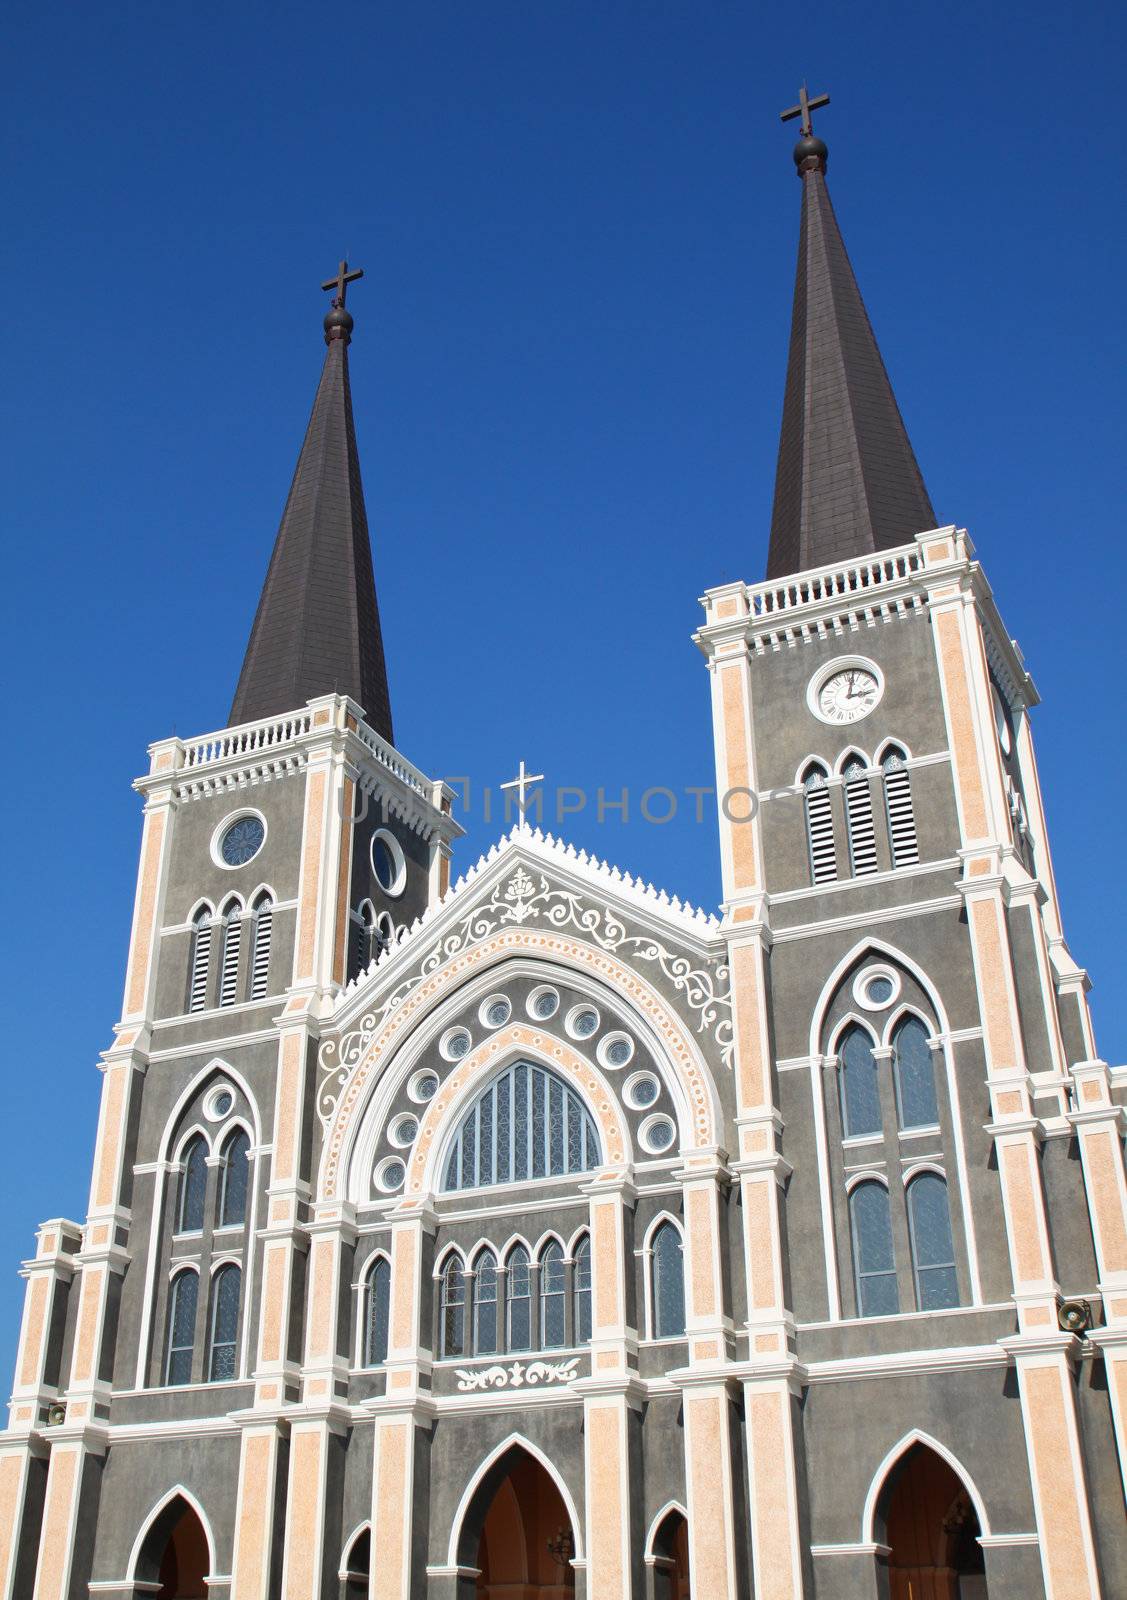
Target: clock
<point>846,693</point>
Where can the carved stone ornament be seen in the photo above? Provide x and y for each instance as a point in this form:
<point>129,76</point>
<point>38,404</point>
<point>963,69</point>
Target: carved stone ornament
<point>517,1375</point>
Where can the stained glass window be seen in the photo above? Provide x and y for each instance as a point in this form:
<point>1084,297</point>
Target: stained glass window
<point>915,1075</point>
<point>193,1187</point>
<point>581,1290</point>
<point>236,1168</point>
<point>668,1283</point>
<point>242,841</point>
<point>860,1097</point>
<point>182,1327</point>
<point>519,1299</point>
<point>553,1334</point>
<point>225,1288</point>
<point>527,1123</point>
<point>453,1309</point>
<point>874,1264</point>
<point>378,1313</point>
<point>485,1304</point>
<point>933,1249</point>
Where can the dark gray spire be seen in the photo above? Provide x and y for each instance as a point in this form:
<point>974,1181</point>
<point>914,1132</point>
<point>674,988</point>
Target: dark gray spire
<point>847,482</point>
<point>317,629</point>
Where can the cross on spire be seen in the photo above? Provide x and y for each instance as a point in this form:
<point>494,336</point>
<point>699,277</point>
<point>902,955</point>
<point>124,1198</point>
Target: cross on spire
<point>341,281</point>
<point>522,783</point>
<point>803,109</point>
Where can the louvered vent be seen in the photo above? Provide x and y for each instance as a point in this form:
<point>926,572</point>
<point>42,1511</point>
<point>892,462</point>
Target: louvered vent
<point>201,961</point>
<point>898,804</point>
<point>260,955</point>
<point>819,826</point>
<point>859,820</point>
<point>229,975</point>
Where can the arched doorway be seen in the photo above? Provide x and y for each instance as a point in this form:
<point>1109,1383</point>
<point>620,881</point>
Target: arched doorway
<point>670,1553</point>
<point>931,1527</point>
<point>517,1532</point>
<point>356,1567</point>
<point>175,1553</point>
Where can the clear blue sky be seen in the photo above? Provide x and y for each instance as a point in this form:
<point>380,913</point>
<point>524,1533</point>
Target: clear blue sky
<point>578,224</point>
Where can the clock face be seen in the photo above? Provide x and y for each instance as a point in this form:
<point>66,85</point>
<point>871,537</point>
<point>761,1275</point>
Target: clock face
<point>848,695</point>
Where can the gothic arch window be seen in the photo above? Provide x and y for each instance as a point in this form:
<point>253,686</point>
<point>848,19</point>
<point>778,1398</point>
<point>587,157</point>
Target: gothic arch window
<point>859,824</point>
<point>361,931</point>
<point>668,1282</point>
<point>914,1075</point>
<point>199,964</point>
<point>226,1287</point>
<point>581,1291</point>
<point>553,1297</point>
<point>518,1299</point>
<point>902,842</point>
<point>262,930</point>
<point>819,823</point>
<point>193,1187</point>
<point>233,1180</point>
<point>933,1248</point>
<point>874,1259</point>
<point>526,1123</point>
<point>181,1326</point>
<point>377,1311</point>
<point>860,1086</point>
<point>229,960</point>
<point>486,1304</point>
<point>452,1308</point>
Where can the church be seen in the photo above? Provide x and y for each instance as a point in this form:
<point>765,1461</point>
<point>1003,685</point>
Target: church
<point>509,1230</point>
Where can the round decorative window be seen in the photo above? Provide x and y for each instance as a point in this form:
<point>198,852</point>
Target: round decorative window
<point>641,1090</point>
<point>403,1130</point>
<point>423,1086</point>
<point>543,1003</point>
<point>219,1103</point>
<point>658,1134</point>
<point>583,1022</point>
<point>389,863</point>
<point>239,841</point>
<point>455,1043</point>
<point>876,988</point>
<point>495,1011</point>
<point>390,1174</point>
<point>616,1050</point>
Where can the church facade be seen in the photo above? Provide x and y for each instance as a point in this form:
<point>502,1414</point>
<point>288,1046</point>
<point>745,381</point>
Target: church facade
<point>531,1234</point>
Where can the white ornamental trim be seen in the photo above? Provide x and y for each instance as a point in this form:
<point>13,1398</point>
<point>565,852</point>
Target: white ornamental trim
<point>516,1376</point>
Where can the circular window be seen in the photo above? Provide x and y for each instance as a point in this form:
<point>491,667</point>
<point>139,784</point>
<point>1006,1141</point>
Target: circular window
<point>389,1175</point>
<point>641,1090</point>
<point>543,1003</point>
<point>495,1011</point>
<point>219,1103</point>
<point>423,1086</point>
<point>239,840</point>
<point>583,1022</point>
<point>616,1050</point>
<point>658,1134</point>
<point>455,1043</point>
<point>876,988</point>
<point>389,863</point>
<point>404,1130</point>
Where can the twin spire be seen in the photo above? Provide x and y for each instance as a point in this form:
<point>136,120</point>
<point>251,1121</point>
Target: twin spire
<point>847,484</point>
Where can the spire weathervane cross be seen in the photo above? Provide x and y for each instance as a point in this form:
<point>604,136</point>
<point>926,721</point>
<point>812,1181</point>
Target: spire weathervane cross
<point>341,281</point>
<point>522,783</point>
<point>803,109</point>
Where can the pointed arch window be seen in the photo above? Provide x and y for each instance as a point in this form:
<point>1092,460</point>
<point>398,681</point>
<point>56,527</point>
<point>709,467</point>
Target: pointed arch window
<point>668,1271</point>
<point>181,1327</point>
<point>518,1299</point>
<point>581,1291</point>
<point>914,1074</point>
<point>553,1321</point>
<point>527,1123</point>
<point>874,1262</point>
<point>229,961</point>
<point>933,1248</point>
<point>452,1307</point>
<point>819,824</point>
<point>193,1187</point>
<point>360,934</point>
<point>859,817</point>
<point>200,962</point>
<point>226,1287</point>
<point>234,1172</point>
<point>902,841</point>
<point>377,1312</point>
<point>860,1088</point>
<point>262,931</point>
<point>485,1304</point>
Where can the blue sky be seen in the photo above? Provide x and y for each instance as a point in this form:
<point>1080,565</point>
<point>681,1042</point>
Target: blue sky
<point>577,223</point>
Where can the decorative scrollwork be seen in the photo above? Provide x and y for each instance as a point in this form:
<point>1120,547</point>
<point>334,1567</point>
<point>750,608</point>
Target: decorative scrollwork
<point>517,1375</point>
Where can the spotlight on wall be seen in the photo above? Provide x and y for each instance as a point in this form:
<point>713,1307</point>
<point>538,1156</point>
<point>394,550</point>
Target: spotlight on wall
<point>1075,1316</point>
<point>562,1547</point>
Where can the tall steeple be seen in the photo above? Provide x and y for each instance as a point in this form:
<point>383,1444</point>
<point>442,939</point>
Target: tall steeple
<point>317,628</point>
<point>847,482</point>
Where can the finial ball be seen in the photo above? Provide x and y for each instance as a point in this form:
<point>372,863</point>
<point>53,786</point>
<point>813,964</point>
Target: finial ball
<point>338,325</point>
<point>810,152</point>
